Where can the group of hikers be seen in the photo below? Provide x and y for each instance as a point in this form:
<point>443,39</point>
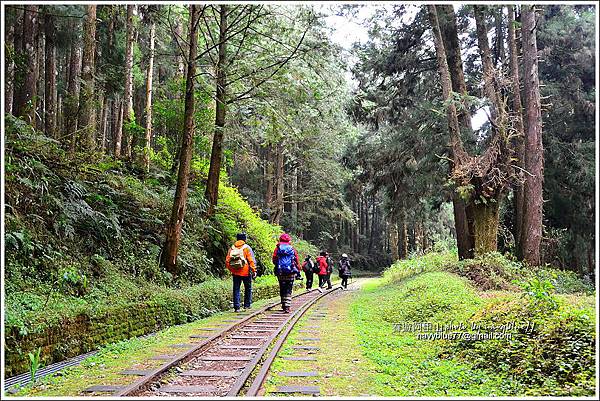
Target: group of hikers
<point>241,262</point>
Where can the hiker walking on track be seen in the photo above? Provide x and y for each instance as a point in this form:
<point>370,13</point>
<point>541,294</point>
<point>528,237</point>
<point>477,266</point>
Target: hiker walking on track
<point>241,263</point>
<point>309,269</point>
<point>324,270</point>
<point>287,268</point>
<point>344,270</point>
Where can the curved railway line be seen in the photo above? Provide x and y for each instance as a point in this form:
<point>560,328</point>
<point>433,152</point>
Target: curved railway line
<point>233,361</point>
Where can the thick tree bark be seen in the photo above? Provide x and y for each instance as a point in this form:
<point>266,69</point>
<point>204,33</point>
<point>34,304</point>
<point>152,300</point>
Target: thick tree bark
<point>87,111</point>
<point>149,97</point>
<point>173,237</point>
<point>489,74</point>
<point>128,114</point>
<point>216,155</point>
<point>72,99</point>
<point>485,226</point>
<point>531,232</point>
<point>9,69</point>
<point>499,37</point>
<point>447,20</point>
<point>40,61</point>
<point>50,78</point>
<point>518,116</point>
<point>26,91</point>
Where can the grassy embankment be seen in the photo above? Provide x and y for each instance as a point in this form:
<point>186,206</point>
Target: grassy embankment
<point>365,352</point>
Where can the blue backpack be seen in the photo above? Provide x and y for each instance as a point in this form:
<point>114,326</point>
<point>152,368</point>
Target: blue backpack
<point>285,259</point>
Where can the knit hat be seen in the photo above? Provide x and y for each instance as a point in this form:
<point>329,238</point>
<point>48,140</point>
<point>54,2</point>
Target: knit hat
<point>241,236</point>
<point>285,238</point>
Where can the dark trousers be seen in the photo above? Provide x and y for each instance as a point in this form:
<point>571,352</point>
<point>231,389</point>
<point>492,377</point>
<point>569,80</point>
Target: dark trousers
<point>309,280</point>
<point>237,283</point>
<point>286,285</point>
<point>325,279</point>
<point>345,280</point>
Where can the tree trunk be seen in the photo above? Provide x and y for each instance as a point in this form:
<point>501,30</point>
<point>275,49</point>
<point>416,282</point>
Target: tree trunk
<point>519,136</point>
<point>149,97</point>
<point>447,20</point>
<point>50,78</point>
<point>87,112</point>
<point>104,123</point>
<point>179,59</point>
<point>212,184</point>
<point>394,240</point>
<point>531,232</point>
<point>72,99</point>
<point>489,75</point>
<point>118,128</point>
<point>9,83</point>
<point>294,202</point>
<point>128,114</point>
<point>277,212</point>
<point>173,237</point>
<point>403,250</point>
<point>499,37</point>
<point>25,94</point>
<point>40,61</point>
<point>269,174</point>
<point>485,227</point>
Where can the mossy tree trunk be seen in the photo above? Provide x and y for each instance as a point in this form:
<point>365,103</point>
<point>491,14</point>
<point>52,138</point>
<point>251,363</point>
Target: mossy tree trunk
<point>485,226</point>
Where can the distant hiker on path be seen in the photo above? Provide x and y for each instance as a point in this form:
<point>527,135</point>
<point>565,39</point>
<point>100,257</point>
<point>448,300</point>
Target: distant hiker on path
<point>324,270</point>
<point>309,269</point>
<point>242,264</point>
<point>344,270</point>
<point>287,268</point>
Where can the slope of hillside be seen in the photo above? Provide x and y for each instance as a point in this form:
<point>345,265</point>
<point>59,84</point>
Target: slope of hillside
<point>83,240</point>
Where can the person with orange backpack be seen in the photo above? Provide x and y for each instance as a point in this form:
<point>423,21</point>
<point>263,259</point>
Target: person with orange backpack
<point>287,268</point>
<point>240,261</point>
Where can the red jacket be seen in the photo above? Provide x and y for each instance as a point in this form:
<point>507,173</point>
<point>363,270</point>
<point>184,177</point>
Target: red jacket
<point>322,262</point>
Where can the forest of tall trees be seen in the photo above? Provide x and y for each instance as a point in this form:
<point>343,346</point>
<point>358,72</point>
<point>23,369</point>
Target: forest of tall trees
<point>256,94</point>
<point>450,150</point>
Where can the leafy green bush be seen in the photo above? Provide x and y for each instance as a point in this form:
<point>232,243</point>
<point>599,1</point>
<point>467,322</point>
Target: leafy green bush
<point>492,271</point>
<point>414,265</point>
<point>552,349</point>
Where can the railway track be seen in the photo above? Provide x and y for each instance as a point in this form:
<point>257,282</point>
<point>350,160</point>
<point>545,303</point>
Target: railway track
<point>223,364</point>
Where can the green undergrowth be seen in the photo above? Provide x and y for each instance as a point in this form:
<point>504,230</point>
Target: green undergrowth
<point>548,313</point>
